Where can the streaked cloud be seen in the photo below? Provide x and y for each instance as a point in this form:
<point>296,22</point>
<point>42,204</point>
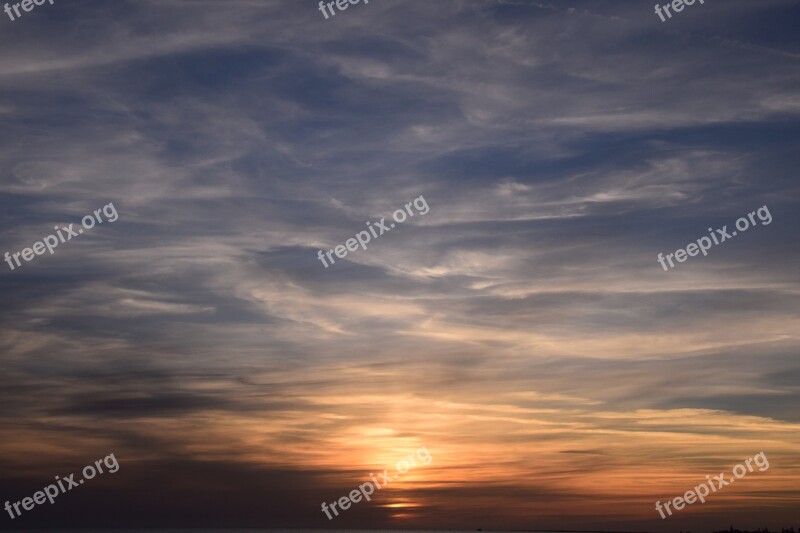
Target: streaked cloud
<point>522,330</point>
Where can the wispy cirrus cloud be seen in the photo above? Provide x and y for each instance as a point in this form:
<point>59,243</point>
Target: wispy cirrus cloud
<point>522,330</point>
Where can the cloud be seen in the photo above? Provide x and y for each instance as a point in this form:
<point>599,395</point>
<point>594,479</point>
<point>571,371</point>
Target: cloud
<point>522,329</point>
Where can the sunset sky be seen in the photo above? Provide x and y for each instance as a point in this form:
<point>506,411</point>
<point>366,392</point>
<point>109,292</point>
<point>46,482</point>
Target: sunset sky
<point>522,330</point>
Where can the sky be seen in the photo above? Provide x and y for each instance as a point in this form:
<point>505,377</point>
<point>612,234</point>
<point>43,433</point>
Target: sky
<point>522,330</point>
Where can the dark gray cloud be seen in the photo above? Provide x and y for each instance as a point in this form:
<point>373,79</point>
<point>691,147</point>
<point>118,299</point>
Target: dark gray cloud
<point>560,146</point>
